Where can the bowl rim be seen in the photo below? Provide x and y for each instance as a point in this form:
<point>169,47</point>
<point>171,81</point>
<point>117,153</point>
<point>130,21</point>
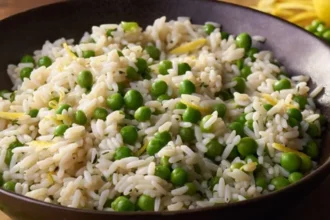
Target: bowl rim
<point>320,171</point>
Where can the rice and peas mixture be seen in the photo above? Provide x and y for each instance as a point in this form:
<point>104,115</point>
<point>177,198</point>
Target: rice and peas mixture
<point>177,116</point>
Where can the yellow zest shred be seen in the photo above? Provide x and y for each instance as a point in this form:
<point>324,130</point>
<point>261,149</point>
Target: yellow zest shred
<point>142,149</point>
<point>50,177</point>
<point>269,99</point>
<point>40,144</point>
<point>192,105</point>
<point>249,167</point>
<point>65,45</point>
<point>188,47</point>
<point>65,118</point>
<point>282,148</point>
<point>53,118</point>
<point>11,115</point>
<point>53,104</point>
<point>295,6</point>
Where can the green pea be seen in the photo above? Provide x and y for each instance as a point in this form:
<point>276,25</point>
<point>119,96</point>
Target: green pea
<point>212,182</point>
<point>214,149</point>
<point>313,130</point>
<point>100,113</point>
<point>179,176</point>
<point>247,146</point>
<point>3,93</point>
<point>9,186</point>
<point>224,35</point>
<point>315,23</point>
<point>301,100</point>
<point>122,204</point>
<point>312,150</point>
<point>294,113</point>
<point>221,109</point>
<point>25,72</point>
<point>183,68</point>
<point>60,130</point>
<point>252,158</point>
<point>164,66</point>
<point>244,40</point>
<point>310,28</point>
<point>321,28</point>
<point>233,154</point>
<point>153,52</point>
<point>240,64</point>
<point>191,115</point>
<point>245,72</point>
<point>132,74</point>
<point>280,182</point>
<point>122,152</point>
<point>241,119</point>
<point>133,99</point>
<point>146,203</point>
<point>164,161</point>
<point>115,101</point>
<point>119,53</point>
<point>187,134</point>
<point>208,28</point>
<point>129,26</point>
<point>293,122</point>
<point>290,161</point>
<point>163,97</point>
<point>27,59</point>
<point>159,88</point>
<point>261,181</point>
<point>62,107</point>
<point>238,127</point>
<point>44,61</point>
<point>164,137</point>
<point>306,164</point>
<point>240,84</point>
<point>154,146</point>
<point>322,120</point>
<point>295,177</point>
<point>80,117</point>
<point>129,134</point>
<point>282,84</point>
<point>192,189</point>
<point>85,79</point>
<point>33,113</point>
<point>268,106</point>
<point>249,124</point>
<point>9,152</point>
<point>142,65</point>
<point>251,52</point>
<point>180,105</point>
<point>88,54</point>
<point>12,96</point>
<point>202,124</point>
<point>326,36</point>
<point>109,32</point>
<point>225,95</point>
<point>237,165</point>
<point>187,87</point>
<point>143,113</point>
<point>163,172</point>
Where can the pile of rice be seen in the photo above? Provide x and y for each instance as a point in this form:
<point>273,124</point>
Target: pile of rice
<point>78,169</point>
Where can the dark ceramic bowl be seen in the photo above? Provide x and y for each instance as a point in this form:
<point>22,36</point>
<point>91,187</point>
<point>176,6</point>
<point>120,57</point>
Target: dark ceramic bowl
<point>298,50</point>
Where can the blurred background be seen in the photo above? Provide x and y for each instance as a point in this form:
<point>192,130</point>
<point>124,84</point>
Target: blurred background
<point>314,15</point>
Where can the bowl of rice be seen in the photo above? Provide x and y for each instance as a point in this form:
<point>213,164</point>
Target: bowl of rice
<point>160,109</point>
